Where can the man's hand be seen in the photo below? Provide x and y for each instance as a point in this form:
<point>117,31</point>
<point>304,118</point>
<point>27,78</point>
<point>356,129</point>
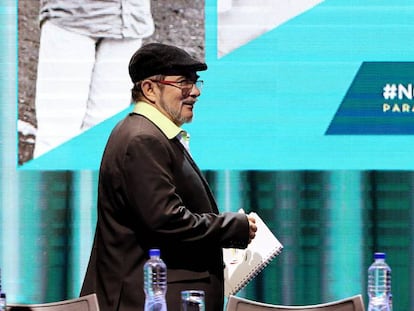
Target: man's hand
<point>252,227</point>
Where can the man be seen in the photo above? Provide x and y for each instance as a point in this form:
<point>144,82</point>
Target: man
<point>152,194</point>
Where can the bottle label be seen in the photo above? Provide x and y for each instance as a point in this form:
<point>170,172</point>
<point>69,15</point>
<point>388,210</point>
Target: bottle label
<point>157,303</point>
<point>2,304</point>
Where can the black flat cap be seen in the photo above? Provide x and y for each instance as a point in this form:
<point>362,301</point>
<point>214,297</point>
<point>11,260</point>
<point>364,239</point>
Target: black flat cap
<point>156,58</point>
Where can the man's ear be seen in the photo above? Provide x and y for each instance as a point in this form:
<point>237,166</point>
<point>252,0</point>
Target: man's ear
<point>148,90</point>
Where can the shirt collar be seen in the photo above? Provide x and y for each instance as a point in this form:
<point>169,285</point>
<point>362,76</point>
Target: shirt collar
<point>154,115</point>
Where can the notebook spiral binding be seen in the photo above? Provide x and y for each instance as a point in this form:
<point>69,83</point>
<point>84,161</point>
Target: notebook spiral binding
<point>259,268</point>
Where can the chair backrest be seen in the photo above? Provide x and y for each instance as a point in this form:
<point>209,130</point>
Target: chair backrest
<point>354,303</point>
<point>84,303</point>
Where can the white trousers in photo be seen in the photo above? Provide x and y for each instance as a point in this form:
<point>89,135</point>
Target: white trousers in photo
<point>81,81</point>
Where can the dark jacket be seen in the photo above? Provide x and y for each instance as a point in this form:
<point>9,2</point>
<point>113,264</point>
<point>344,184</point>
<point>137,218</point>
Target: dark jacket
<point>152,194</point>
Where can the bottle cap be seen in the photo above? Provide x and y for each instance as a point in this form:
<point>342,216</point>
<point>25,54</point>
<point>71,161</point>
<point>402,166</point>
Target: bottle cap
<point>379,256</point>
<point>154,252</point>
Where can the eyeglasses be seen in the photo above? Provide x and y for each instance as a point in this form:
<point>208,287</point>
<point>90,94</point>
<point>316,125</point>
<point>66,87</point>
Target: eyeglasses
<point>184,85</point>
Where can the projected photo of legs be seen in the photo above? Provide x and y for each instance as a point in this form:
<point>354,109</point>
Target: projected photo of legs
<point>81,81</point>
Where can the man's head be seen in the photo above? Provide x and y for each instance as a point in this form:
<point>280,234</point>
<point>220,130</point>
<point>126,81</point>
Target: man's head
<point>166,76</point>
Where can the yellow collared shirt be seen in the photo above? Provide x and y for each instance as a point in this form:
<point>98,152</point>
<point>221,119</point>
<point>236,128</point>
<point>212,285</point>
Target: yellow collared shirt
<point>166,125</point>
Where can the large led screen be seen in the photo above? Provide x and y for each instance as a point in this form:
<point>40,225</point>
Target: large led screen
<point>305,84</point>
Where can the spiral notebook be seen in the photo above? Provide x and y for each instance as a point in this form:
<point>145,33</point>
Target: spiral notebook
<point>242,265</point>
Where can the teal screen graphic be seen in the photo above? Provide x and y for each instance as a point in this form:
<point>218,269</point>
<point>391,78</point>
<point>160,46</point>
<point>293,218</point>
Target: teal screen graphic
<point>379,101</point>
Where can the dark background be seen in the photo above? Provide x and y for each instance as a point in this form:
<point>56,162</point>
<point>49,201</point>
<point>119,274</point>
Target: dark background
<point>178,22</point>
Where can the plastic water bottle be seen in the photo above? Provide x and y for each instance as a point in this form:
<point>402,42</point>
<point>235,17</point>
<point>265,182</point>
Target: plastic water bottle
<point>2,297</point>
<point>379,284</point>
<point>3,303</point>
<point>155,282</point>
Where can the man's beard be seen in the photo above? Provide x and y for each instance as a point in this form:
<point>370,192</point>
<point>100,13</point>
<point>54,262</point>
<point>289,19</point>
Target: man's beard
<point>175,114</point>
